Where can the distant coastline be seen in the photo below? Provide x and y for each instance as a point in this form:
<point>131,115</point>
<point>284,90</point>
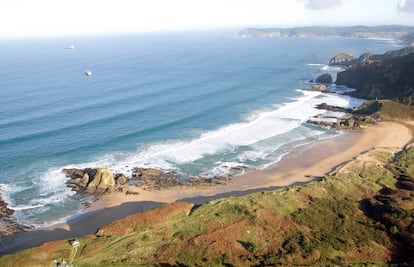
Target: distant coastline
<point>402,34</point>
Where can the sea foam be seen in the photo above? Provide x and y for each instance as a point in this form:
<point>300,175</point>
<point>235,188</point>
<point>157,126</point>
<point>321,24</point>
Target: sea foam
<point>255,138</point>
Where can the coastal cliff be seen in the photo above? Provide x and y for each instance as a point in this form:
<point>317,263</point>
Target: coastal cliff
<point>387,76</point>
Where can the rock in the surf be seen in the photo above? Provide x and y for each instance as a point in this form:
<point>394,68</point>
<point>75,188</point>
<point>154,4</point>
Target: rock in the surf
<point>95,181</point>
<point>324,78</point>
<point>317,88</point>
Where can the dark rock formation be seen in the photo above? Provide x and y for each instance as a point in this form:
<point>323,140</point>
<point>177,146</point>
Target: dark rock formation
<point>325,106</point>
<point>156,179</point>
<point>217,180</point>
<point>350,123</point>
<point>5,211</point>
<point>387,76</point>
<point>352,118</point>
<point>8,225</point>
<point>324,78</point>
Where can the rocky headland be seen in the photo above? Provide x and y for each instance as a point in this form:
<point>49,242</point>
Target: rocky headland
<point>386,80</point>
<point>387,76</point>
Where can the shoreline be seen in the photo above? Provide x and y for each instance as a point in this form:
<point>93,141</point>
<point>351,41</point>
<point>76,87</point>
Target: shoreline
<point>302,165</point>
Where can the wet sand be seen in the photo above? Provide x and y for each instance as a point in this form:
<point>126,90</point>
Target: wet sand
<point>302,165</point>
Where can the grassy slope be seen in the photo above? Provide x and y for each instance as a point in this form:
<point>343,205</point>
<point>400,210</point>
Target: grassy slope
<point>393,110</point>
<point>318,223</point>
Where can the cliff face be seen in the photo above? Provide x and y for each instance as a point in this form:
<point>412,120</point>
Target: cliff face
<point>388,76</point>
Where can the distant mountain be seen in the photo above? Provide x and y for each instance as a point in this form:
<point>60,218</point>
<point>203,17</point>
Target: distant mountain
<point>397,32</point>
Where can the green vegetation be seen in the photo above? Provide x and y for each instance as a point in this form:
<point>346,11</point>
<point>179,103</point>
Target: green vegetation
<point>393,110</point>
<point>333,221</point>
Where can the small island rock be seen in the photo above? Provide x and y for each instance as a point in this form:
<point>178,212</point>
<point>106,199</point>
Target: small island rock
<point>324,78</point>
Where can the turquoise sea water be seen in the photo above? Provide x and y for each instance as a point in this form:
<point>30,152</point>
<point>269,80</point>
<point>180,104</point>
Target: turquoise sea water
<point>195,102</point>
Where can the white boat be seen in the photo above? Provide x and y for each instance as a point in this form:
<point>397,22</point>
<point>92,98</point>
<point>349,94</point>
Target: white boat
<point>70,47</point>
<point>88,72</point>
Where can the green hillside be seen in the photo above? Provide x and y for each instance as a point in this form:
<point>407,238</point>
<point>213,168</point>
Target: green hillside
<point>344,218</point>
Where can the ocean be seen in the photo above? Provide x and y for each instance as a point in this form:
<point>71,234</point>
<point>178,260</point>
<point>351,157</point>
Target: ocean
<point>198,103</point>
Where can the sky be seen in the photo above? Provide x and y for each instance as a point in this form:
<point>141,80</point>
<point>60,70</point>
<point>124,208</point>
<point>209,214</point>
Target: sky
<point>69,17</point>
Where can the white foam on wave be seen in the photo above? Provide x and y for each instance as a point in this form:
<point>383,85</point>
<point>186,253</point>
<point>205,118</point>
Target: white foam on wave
<point>219,141</point>
<point>332,68</point>
<point>51,189</point>
<point>25,207</point>
<point>8,189</point>
<point>256,128</point>
<point>325,67</point>
<point>264,125</point>
<point>51,181</point>
<point>316,64</point>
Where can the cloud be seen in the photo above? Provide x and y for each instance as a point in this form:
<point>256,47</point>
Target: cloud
<point>320,4</point>
<point>406,5</point>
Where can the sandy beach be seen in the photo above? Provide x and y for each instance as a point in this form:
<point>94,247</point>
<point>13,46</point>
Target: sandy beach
<point>302,165</point>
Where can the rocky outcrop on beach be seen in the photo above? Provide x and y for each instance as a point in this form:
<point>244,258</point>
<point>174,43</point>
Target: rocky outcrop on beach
<point>371,112</point>
<point>156,179</point>
<point>367,113</point>
<point>8,225</point>
<point>96,181</point>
